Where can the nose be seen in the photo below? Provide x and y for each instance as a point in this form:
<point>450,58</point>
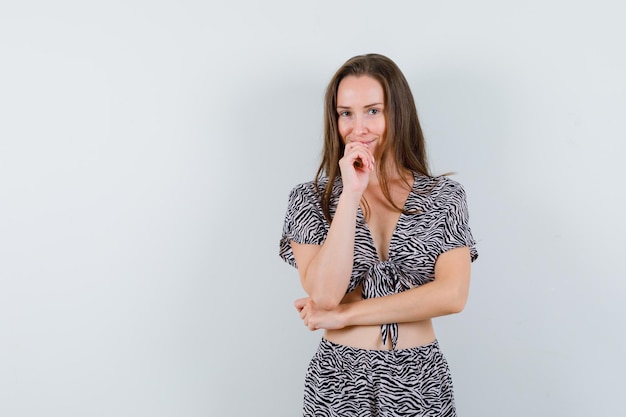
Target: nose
<point>360,125</point>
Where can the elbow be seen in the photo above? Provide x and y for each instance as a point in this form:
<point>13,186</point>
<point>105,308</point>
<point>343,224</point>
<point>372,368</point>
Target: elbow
<point>457,301</point>
<point>456,306</point>
<point>325,301</point>
<point>324,297</point>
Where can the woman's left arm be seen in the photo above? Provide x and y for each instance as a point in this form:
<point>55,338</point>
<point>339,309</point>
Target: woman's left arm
<point>446,294</point>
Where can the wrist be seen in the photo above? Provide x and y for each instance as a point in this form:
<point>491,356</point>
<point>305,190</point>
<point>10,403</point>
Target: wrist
<point>351,198</point>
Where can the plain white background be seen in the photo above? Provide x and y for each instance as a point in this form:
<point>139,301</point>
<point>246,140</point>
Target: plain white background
<point>147,149</point>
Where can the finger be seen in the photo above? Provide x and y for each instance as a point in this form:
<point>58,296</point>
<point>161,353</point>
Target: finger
<point>300,303</point>
<point>359,156</point>
<point>308,324</point>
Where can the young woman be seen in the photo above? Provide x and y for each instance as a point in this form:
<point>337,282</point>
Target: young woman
<point>381,247</point>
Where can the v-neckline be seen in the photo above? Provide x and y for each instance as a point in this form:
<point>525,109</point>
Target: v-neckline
<point>395,228</point>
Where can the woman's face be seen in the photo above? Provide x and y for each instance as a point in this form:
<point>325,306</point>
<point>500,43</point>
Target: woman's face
<point>360,109</point>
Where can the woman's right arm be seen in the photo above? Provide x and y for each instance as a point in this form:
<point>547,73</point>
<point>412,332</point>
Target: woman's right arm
<point>325,269</point>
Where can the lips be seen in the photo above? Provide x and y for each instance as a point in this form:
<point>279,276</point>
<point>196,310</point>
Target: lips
<point>364,142</point>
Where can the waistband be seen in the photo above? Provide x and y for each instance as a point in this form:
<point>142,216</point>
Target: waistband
<point>348,352</point>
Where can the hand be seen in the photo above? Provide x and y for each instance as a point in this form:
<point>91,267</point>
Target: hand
<point>355,175</point>
<point>315,318</point>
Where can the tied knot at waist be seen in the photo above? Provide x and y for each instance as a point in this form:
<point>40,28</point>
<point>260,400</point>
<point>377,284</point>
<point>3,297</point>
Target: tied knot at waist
<point>385,278</point>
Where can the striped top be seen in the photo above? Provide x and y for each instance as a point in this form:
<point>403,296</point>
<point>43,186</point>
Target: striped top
<point>435,221</point>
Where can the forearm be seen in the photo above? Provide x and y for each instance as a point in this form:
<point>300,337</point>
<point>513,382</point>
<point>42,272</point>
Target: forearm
<point>447,294</point>
<point>422,303</point>
<point>327,275</point>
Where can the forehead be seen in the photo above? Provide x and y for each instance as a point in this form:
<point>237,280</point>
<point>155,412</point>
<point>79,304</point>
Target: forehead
<point>353,90</point>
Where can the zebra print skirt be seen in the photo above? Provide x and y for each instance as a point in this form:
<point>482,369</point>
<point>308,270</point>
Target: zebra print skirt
<point>343,381</point>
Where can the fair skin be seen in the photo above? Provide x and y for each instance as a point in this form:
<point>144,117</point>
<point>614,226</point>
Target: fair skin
<point>325,269</point>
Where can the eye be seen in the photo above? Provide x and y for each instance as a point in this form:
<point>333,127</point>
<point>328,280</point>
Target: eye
<point>344,113</point>
<point>373,112</point>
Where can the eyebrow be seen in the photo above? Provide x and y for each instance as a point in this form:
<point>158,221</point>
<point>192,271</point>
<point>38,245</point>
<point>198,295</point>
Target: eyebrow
<point>368,105</point>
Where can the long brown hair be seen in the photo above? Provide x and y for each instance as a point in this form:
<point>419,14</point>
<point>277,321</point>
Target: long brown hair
<point>404,141</point>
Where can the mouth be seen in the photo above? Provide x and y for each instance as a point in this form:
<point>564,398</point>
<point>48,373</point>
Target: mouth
<point>365,142</point>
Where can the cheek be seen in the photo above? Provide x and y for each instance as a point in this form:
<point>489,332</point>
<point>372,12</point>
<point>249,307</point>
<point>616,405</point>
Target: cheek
<point>344,129</point>
<point>380,127</point>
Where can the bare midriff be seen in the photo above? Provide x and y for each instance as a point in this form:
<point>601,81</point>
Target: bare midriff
<point>410,335</point>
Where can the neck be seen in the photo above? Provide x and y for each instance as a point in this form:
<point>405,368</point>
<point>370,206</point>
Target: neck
<point>392,174</point>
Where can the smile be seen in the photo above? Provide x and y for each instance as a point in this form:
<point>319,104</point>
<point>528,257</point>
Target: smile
<point>364,142</point>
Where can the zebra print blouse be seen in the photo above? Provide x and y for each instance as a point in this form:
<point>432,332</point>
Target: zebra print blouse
<point>440,224</point>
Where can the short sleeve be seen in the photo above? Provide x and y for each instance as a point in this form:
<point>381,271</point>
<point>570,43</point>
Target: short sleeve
<point>304,221</point>
<point>457,232</point>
